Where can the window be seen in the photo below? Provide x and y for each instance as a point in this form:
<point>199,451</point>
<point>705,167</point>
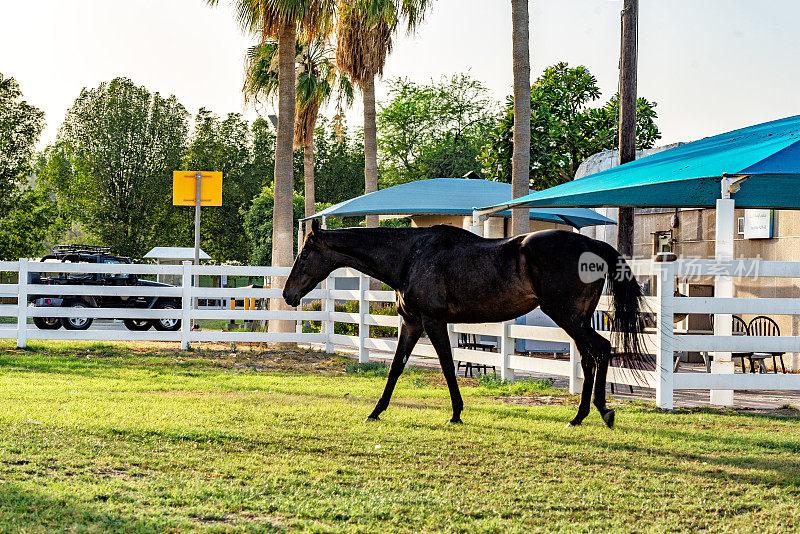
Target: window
<point>740,225</point>
<point>662,242</point>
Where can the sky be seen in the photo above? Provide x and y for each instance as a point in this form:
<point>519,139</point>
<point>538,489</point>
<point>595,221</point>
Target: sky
<point>711,65</point>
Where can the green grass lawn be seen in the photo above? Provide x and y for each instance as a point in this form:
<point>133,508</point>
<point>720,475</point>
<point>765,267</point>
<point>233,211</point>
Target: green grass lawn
<point>99,438</point>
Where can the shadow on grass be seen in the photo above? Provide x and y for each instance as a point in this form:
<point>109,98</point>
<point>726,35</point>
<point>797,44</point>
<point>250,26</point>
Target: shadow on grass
<point>25,511</point>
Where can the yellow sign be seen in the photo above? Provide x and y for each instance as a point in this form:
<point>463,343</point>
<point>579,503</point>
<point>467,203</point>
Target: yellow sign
<point>184,188</point>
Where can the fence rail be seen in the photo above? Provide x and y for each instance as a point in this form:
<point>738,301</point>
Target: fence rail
<point>663,341</point>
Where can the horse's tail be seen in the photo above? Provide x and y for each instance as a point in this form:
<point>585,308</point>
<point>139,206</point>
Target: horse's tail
<point>628,301</point>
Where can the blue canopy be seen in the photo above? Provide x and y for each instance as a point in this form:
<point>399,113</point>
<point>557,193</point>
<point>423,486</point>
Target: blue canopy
<point>766,155</point>
<point>451,196</point>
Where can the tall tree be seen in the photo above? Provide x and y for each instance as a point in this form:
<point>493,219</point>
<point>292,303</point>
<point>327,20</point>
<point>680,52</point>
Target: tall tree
<point>280,19</point>
<point>564,129</point>
<point>520,223</point>
<point>224,145</point>
<point>364,39</point>
<point>122,142</point>
<point>433,130</point>
<point>317,80</point>
<point>26,213</point>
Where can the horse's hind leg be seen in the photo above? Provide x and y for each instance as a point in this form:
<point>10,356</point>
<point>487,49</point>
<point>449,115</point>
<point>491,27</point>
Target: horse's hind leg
<point>437,332</point>
<point>595,353</point>
<point>409,335</point>
<point>587,364</point>
<point>602,353</point>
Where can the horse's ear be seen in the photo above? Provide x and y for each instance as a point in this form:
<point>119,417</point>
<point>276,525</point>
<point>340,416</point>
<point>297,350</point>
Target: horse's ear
<point>315,226</point>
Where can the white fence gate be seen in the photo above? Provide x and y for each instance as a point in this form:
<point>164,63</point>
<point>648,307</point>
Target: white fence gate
<point>663,341</point>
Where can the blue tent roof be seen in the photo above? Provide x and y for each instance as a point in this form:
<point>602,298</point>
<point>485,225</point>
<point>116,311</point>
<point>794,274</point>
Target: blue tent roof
<point>689,175</point>
<point>451,196</point>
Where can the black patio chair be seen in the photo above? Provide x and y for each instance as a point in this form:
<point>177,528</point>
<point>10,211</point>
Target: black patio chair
<point>472,341</point>
<point>764,326</point>
<point>738,328</point>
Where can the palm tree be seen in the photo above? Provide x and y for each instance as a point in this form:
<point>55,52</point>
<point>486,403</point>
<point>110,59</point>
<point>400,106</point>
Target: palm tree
<point>317,80</point>
<point>280,19</point>
<point>521,159</point>
<point>364,39</point>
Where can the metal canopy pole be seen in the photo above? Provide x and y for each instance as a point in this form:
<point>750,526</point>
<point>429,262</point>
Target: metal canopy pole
<point>723,285</point>
<point>477,223</point>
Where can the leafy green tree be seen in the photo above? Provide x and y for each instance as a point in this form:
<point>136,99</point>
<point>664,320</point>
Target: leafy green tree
<point>224,145</point>
<point>26,225</point>
<point>258,223</point>
<point>21,125</point>
<point>26,212</point>
<point>606,123</point>
<point>433,130</point>
<point>123,142</point>
<point>564,129</point>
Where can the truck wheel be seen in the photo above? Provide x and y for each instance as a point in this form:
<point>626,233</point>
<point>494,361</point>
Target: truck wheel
<point>137,325</point>
<point>167,325</point>
<point>77,323</point>
<point>47,323</point>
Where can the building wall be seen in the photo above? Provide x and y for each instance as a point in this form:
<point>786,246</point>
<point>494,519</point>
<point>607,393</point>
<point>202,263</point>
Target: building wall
<point>694,238</point>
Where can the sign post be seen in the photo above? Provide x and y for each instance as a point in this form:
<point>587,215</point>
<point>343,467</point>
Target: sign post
<point>196,188</point>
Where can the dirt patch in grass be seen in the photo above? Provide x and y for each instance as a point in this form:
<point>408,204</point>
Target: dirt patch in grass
<point>538,400</point>
<point>437,380</point>
<point>288,361</point>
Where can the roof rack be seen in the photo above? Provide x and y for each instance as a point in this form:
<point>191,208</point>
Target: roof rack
<point>61,250</point>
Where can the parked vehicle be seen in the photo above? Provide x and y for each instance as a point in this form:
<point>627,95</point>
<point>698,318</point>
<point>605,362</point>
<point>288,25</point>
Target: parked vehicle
<point>93,254</point>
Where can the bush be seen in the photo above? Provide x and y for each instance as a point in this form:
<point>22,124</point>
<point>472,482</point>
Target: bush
<point>351,329</point>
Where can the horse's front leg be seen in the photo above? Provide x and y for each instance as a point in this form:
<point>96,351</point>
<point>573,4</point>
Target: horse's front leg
<point>437,333</point>
<point>409,335</point>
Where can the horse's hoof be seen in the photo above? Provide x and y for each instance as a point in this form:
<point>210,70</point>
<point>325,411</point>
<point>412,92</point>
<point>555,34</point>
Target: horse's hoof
<point>455,421</point>
<point>371,419</point>
<point>609,418</point>
<point>571,424</point>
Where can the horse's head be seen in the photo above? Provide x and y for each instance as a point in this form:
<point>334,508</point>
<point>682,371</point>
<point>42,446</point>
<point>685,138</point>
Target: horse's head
<point>312,265</point>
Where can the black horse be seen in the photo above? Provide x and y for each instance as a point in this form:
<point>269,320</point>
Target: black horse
<point>447,275</point>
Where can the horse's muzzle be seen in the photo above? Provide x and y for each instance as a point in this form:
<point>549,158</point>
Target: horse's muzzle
<point>292,298</point>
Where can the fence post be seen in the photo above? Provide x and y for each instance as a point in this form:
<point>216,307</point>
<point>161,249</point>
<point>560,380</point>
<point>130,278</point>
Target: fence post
<point>575,370</point>
<point>329,309</point>
<point>506,351</point>
<point>186,304</point>
<point>665,351</point>
<point>22,304</point>
<point>363,310</point>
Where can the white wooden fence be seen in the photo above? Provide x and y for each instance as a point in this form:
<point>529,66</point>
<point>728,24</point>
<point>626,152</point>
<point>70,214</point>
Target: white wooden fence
<point>663,341</point>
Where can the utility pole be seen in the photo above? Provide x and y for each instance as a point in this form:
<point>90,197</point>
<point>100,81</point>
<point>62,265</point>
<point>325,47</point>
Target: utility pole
<point>627,114</point>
